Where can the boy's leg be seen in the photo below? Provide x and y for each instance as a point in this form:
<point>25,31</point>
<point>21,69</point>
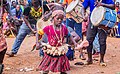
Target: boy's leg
<point>24,30</point>
<point>102,41</point>
<point>91,33</point>
<point>82,57</point>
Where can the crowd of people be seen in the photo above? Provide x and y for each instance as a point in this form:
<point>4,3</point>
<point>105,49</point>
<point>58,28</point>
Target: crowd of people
<point>61,37</point>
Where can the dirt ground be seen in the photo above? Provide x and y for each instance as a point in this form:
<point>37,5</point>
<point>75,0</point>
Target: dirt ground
<point>26,62</point>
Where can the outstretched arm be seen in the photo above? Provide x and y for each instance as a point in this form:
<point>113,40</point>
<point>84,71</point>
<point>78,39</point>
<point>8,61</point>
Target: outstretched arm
<point>111,6</point>
<point>28,24</point>
<point>72,39</point>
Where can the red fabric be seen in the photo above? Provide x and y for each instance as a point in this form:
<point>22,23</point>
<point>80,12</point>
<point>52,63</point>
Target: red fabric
<point>54,64</point>
<point>3,44</point>
<point>50,63</point>
<point>52,38</point>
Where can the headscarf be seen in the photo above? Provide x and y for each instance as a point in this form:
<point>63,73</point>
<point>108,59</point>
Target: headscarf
<point>56,12</point>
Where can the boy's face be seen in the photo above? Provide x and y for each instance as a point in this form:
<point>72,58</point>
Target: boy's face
<point>58,19</point>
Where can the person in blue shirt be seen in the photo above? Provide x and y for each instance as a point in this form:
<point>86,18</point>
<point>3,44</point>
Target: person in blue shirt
<point>93,30</point>
<point>16,12</point>
<point>16,18</point>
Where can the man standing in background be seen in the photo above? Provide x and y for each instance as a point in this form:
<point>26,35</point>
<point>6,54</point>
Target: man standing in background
<point>93,30</point>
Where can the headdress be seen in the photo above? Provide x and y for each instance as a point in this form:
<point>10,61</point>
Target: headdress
<point>56,12</point>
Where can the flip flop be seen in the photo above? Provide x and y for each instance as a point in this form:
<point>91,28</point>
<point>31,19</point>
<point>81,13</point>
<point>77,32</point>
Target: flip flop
<point>82,57</point>
<point>103,64</point>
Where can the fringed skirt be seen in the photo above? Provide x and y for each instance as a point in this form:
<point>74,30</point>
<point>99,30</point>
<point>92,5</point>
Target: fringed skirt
<point>54,63</point>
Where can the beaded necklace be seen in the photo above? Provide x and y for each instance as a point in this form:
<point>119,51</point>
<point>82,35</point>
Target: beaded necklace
<point>60,40</point>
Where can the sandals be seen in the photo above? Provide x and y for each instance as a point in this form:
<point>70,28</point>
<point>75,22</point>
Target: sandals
<point>10,54</point>
<point>103,64</point>
<point>82,57</point>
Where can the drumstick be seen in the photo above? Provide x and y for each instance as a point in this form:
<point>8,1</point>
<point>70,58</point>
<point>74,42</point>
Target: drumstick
<point>12,32</point>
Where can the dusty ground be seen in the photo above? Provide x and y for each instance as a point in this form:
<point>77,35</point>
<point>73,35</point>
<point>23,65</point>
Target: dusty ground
<point>27,60</point>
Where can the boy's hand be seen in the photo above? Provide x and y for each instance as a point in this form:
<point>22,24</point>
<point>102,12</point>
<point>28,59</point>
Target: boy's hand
<point>37,46</point>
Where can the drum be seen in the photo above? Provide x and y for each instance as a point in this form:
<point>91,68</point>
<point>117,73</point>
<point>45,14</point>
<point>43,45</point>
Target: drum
<point>102,16</point>
<point>74,9</point>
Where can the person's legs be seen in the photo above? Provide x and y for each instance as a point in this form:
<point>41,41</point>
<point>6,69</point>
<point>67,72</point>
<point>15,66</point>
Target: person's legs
<point>102,41</point>
<point>19,39</point>
<point>91,33</point>
<point>82,57</point>
<point>70,23</point>
<point>78,29</point>
<point>96,47</point>
<point>119,29</point>
<point>24,30</point>
<point>41,53</point>
<point>45,40</point>
<point>70,53</point>
<point>2,54</point>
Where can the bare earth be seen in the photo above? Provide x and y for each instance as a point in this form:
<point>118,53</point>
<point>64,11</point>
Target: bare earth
<point>26,62</point>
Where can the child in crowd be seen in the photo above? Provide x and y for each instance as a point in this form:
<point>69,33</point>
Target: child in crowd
<point>5,24</point>
<point>55,58</point>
